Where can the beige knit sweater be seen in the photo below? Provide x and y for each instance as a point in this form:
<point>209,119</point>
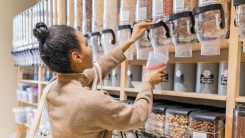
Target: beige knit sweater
<point>75,111</point>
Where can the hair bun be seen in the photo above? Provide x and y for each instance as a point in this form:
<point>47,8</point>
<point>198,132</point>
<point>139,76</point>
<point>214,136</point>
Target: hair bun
<point>41,32</point>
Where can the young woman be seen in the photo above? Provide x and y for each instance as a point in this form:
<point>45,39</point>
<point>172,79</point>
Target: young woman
<point>75,111</point>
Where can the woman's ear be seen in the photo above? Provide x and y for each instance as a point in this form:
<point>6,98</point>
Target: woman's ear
<point>76,57</point>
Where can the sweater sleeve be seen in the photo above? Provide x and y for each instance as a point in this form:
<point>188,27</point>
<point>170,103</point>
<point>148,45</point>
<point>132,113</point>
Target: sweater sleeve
<point>107,63</point>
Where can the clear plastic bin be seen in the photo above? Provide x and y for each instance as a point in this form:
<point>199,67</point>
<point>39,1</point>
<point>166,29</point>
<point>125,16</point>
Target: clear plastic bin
<point>24,96</point>
<point>156,61</point>
<point>162,8</point>
<point>87,16</point>
<point>29,115</point>
<point>32,95</point>
<point>240,19</point>
<point>111,13</point>
<point>95,43</point>
<point>177,120</point>
<point>143,10</point>
<point>18,95</point>
<point>208,124</point>
<point>127,11</point>
<point>143,46</point>
<point>160,38</point>
<point>156,124</point>
<point>20,115</point>
<point>123,35</point>
<point>108,40</point>
<point>238,126</point>
<point>183,33</point>
<point>211,25</point>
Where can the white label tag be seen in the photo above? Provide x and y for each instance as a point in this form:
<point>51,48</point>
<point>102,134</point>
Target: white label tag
<point>199,135</point>
<point>205,1</point>
<point>158,7</point>
<point>125,16</point>
<point>142,13</point>
<point>179,5</point>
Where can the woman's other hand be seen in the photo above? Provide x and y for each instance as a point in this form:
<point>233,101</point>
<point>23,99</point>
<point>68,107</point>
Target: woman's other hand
<point>154,77</point>
<point>139,30</point>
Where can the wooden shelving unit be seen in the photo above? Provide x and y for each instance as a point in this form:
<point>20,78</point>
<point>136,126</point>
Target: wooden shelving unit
<point>232,98</point>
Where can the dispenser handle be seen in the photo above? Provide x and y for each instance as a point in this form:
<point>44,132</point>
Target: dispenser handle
<point>163,24</point>
<point>94,34</point>
<point>211,8</point>
<point>113,41</point>
<point>181,15</point>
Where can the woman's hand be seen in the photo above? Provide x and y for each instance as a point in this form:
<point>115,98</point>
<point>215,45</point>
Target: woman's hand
<point>139,30</point>
<point>154,77</point>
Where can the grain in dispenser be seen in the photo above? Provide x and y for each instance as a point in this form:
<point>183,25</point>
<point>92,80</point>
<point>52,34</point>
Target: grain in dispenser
<point>207,77</point>
<point>223,74</point>
<point>238,126</point>
<point>97,15</point>
<point>185,77</point>
<point>240,19</point>
<point>167,83</point>
<point>182,27</point>
<point>87,16</point>
<point>211,25</point>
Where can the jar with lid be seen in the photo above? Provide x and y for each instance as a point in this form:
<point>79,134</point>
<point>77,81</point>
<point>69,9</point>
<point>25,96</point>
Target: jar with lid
<point>87,16</point>
<point>177,119</point>
<point>97,15</point>
<point>182,27</point>
<point>239,20</point>
<point>206,124</point>
<point>211,25</point>
<point>238,126</point>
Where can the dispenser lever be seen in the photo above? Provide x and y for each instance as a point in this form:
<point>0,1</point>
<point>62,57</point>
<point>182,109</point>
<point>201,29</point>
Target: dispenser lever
<point>166,28</point>
<point>113,41</point>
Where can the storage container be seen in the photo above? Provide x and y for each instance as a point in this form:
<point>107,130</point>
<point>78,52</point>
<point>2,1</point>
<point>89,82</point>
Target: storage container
<point>29,115</point>
<point>70,13</point>
<point>167,83</point>
<point>207,77</point>
<point>211,25</point>
<point>116,77</point>
<point>223,74</point>
<point>87,16</point>
<point>161,8</point>
<point>184,5</point>
<point>23,86</point>
<point>156,61</point>
<point>242,80</point>
<point>108,40</point>
<point>18,95</point>
<point>78,10</point>
<point>24,96</point>
<point>32,95</point>
<point>117,134</point>
<point>134,74</point>
<point>143,10</point>
<point>143,46</point>
<point>111,13</point>
<point>97,16</point>
<point>239,20</point>
<point>130,134</point>
<point>206,124</point>
<point>107,80</point>
<point>185,77</point>
<point>95,43</point>
<point>238,126</point>
<point>20,115</point>
<point>127,11</point>
<point>177,119</point>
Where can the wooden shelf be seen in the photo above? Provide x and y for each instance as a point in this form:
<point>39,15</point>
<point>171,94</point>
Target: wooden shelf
<point>44,82</point>
<point>240,99</point>
<point>29,81</point>
<point>33,104</point>
<point>26,125</point>
<point>108,88</point>
<point>184,94</point>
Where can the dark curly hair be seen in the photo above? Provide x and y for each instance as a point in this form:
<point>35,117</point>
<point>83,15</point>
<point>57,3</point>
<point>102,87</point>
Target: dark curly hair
<point>56,44</point>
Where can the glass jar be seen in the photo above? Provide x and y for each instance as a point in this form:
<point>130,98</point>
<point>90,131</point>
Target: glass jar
<point>87,16</point>
<point>97,16</point>
<point>206,124</point>
<point>238,126</point>
<point>127,11</point>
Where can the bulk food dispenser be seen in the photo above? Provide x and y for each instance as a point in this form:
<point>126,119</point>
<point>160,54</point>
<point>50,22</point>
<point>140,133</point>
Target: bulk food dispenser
<point>211,25</point>
<point>97,23</point>
<point>143,13</point>
<point>239,21</point>
<point>108,37</point>
<point>182,27</point>
<point>87,16</point>
<point>127,17</point>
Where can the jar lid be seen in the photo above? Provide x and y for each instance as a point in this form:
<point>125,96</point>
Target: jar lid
<point>181,110</point>
<point>206,115</point>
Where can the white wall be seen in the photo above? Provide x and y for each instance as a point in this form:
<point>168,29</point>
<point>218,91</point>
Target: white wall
<point>8,73</point>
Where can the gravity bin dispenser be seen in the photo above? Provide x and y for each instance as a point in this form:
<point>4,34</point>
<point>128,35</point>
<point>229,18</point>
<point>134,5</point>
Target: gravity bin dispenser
<point>182,27</point>
<point>95,43</point>
<point>210,26</point>
<point>240,19</point>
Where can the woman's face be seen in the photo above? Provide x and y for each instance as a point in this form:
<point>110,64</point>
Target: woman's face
<point>87,55</point>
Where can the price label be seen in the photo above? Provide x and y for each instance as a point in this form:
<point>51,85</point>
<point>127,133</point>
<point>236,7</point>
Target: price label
<point>199,135</point>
